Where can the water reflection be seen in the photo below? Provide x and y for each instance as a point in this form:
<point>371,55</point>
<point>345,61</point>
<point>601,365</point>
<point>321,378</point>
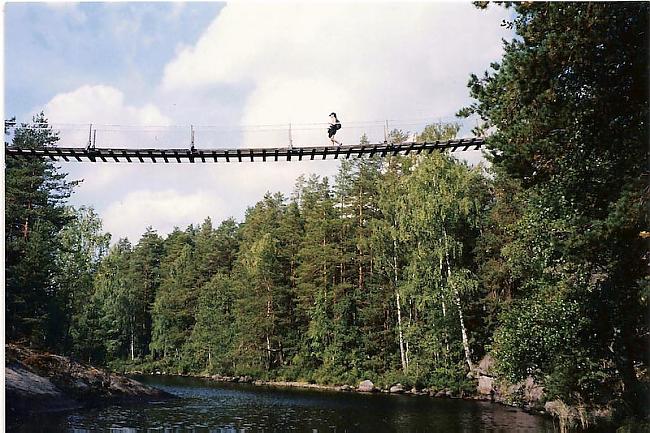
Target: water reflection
<point>206,406</point>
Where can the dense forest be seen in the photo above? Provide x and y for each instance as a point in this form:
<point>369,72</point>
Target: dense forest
<point>408,268</point>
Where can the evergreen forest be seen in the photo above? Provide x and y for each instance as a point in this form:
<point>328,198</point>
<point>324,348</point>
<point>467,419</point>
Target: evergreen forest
<point>405,269</point>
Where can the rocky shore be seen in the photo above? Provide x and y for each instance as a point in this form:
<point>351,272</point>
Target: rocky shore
<point>43,382</point>
<point>526,394</point>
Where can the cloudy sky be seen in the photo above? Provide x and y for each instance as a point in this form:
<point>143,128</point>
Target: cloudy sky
<point>142,73</point>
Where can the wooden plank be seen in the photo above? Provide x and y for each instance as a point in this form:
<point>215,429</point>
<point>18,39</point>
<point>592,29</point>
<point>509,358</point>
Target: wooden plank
<point>76,156</point>
<point>168,155</point>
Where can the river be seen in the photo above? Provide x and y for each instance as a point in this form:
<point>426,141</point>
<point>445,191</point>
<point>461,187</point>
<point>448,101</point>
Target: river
<point>204,406</point>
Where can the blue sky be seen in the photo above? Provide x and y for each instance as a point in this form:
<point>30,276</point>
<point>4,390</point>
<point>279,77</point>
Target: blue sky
<point>142,73</point>
<point>58,47</point>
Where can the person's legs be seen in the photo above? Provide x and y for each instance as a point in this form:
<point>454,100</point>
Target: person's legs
<point>330,133</point>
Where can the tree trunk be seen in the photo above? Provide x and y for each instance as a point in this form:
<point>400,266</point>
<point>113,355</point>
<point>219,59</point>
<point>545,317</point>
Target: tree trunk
<point>463,330</point>
<point>132,343</point>
<point>268,317</point>
<point>399,310</point>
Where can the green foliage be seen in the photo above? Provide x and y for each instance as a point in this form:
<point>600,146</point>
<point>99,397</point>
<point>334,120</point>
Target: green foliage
<point>406,269</point>
<point>83,247</point>
<point>567,109</point>
<point>35,214</point>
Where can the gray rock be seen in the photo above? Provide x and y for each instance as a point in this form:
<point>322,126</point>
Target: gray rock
<point>485,385</point>
<point>486,366</point>
<point>440,394</point>
<point>366,386</point>
<point>396,389</point>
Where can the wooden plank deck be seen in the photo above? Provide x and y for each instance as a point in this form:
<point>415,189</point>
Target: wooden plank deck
<point>112,155</point>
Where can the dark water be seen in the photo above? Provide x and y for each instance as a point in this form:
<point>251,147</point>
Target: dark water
<point>206,406</point>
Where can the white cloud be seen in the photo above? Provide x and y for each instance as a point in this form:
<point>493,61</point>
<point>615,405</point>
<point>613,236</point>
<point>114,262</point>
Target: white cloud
<point>365,60</point>
<point>100,104</point>
<point>274,64</point>
<point>131,215</point>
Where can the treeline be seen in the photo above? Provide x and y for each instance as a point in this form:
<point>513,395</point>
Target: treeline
<point>405,269</point>
<point>374,274</point>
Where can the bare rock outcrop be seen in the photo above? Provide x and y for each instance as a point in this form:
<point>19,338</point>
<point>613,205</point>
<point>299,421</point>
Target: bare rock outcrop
<point>40,382</point>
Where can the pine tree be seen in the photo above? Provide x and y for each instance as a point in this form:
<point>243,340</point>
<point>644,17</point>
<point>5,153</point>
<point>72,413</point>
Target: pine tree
<point>83,246</point>
<point>213,335</point>
<point>174,308</point>
<point>264,299</point>
<point>35,193</point>
<point>568,104</point>
<point>145,275</point>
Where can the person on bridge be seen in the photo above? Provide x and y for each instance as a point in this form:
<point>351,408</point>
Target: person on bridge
<point>335,125</point>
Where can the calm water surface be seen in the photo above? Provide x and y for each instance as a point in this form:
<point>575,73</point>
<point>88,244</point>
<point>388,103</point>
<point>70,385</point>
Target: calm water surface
<point>205,406</point>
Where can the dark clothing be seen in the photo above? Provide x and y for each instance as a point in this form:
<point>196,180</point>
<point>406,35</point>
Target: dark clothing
<point>333,128</point>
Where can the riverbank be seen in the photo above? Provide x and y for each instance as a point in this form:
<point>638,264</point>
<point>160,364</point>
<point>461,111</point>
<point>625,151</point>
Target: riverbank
<point>37,382</point>
<point>526,395</point>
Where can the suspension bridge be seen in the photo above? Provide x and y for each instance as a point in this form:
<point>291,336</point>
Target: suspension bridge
<point>193,155</point>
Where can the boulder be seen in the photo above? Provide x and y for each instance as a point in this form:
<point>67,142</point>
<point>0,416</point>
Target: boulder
<point>440,394</point>
<point>366,386</point>
<point>486,366</point>
<point>485,385</point>
<point>396,389</point>
<point>533,392</point>
<point>345,388</point>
